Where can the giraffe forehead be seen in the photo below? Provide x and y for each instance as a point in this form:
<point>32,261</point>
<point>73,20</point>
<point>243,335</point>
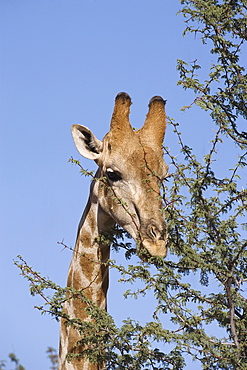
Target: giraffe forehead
<point>146,159</point>
<point>140,160</point>
<point>130,149</point>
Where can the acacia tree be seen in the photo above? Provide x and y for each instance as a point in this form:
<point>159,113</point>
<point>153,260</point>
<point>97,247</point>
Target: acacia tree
<point>205,213</point>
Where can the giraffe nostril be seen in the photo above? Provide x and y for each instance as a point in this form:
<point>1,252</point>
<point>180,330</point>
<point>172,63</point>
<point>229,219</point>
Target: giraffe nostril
<point>153,232</point>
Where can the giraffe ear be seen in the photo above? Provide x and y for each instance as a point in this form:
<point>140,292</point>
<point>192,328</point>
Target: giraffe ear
<point>86,143</point>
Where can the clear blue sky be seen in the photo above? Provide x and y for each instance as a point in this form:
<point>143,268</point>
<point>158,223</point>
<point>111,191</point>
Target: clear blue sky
<point>63,62</point>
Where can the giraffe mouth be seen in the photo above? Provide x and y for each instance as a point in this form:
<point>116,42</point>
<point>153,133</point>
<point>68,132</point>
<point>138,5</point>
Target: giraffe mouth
<point>157,249</point>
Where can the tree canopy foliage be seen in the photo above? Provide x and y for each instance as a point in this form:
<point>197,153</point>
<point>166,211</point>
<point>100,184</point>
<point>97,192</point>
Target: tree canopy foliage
<point>200,288</point>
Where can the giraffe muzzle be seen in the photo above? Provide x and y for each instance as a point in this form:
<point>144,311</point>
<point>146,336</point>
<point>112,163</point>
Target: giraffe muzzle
<point>158,249</point>
<point>154,241</point>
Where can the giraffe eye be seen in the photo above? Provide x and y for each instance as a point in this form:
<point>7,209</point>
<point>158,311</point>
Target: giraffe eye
<point>113,175</point>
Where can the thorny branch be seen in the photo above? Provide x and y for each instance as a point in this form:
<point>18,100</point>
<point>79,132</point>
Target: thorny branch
<point>228,286</point>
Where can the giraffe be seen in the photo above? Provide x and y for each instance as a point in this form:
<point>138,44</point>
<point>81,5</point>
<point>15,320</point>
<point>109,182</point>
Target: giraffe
<point>132,164</point>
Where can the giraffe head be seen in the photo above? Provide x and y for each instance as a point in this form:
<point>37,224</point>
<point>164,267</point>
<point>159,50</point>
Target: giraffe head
<point>133,167</point>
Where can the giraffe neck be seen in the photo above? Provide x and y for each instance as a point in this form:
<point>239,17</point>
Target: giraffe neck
<point>88,274</point>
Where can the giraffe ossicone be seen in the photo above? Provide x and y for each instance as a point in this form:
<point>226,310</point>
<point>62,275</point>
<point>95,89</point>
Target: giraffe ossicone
<point>131,166</point>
